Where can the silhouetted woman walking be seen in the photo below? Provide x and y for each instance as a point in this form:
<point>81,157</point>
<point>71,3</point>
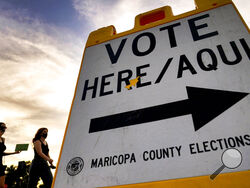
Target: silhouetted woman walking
<point>39,166</point>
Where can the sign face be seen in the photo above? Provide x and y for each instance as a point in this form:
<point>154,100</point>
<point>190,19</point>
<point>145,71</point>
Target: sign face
<point>163,103</point>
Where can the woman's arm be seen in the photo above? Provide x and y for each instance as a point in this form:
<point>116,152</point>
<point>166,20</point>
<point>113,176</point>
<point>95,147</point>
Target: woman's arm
<point>49,157</point>
<point>11,153</point>
<point>52,160</point>
<point>38,148</point>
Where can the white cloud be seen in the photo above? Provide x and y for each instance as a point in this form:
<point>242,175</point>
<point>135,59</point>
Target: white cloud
<point>39,65</point>
<point>121,13</point>
<point>243,7</point>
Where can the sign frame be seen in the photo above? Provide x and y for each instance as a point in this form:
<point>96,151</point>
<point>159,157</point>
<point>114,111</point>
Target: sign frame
<point>108,33</point>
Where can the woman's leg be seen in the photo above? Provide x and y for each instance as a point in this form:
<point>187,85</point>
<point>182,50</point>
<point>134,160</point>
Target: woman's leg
<point>33,180</point>
<point>33,176</point>
<point>2,180</point>
<point>47,176</point>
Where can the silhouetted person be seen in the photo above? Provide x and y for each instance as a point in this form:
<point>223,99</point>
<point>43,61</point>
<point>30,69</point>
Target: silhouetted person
<point>2,153</point>
<point>39,166</point>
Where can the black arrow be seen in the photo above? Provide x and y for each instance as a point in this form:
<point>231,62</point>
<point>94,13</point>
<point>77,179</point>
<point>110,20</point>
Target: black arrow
<point>204,105</point>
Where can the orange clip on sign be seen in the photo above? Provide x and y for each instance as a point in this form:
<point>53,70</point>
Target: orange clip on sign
<point>165,104</point>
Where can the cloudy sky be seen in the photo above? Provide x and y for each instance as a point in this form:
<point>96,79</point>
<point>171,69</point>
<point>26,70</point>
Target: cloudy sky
<point>41,45</point>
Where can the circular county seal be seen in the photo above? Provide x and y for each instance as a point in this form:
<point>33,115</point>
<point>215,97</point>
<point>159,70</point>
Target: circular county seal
<point>75,166</point>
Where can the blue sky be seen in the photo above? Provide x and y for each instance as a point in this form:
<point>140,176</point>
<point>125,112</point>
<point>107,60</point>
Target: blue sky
<point>49,11</point>
<point>41,45</point>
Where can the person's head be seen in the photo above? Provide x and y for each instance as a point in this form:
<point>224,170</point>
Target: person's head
<point>2,128</point>
<point>42,132</point>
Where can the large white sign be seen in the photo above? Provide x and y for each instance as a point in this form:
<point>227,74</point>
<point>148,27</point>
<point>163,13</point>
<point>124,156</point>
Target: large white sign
<point>189,105</point>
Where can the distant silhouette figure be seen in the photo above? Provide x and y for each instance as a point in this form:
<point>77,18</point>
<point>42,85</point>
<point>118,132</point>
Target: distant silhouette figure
<point>39,166</point>
<point>2,153</point>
